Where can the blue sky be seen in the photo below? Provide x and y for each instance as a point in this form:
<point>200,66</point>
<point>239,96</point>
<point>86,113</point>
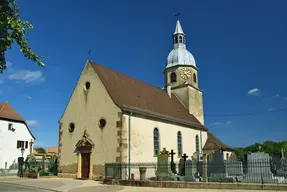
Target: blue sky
<point>238,46</point>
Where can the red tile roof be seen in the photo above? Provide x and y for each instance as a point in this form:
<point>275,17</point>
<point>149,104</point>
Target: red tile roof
<point>52,150</point>
<point>8,112</point>
<point>127,92</point>
<point>213,143</point>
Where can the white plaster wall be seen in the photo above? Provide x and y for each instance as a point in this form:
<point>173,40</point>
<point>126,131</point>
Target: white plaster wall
<point>8,142</point>
<point>142,149</point>
<point>225,155</point>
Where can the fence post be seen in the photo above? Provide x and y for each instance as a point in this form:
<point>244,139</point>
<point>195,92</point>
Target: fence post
<point>205,179</point>
<point>105,170</point>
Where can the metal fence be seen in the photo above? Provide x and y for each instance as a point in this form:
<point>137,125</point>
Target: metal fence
<point>37,165</point>
<point>256,171</point>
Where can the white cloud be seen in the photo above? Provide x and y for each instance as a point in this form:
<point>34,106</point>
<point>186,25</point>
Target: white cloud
<point>228,122</point>
<point>215,123</point>
<point>277,96</point>
<point>9,68</point>
<point>32,122</point>
<point>1,81</point>
<point>220,123</point>
<point>254,91</point>
<point>271,109</point>
<point>28,97</point>
<point>8,64</point>
<point>27,76</point>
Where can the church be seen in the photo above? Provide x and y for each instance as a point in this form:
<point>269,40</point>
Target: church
<point>112,117</point>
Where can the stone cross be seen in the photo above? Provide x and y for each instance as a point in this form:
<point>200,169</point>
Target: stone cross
<point>184,157</point>
<point>282,153</point>
<point>172,153</point>
<point>172,164</point>
<point>31,147</point>
<point>90,51</point>
<point>177,15</point>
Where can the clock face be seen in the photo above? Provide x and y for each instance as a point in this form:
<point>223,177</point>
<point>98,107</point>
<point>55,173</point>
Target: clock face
<point>185,73</point>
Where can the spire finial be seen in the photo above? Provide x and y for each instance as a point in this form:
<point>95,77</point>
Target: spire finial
<point>177,15</point>
<point>90,51</point>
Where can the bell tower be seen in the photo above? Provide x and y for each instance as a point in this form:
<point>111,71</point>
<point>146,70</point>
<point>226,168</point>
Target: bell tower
<point>181,74</point>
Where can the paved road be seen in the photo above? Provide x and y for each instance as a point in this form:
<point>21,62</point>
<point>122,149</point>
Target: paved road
<point>15,188</point>
<point>72,185</point>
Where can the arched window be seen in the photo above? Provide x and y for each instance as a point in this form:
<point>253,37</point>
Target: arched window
<point>179,144</point>
<point>197,143</point>
<point>156,141</point>
<point>173,77</point>
<point>194,77</point>
<point>180,39</point>
<point>175,39</point>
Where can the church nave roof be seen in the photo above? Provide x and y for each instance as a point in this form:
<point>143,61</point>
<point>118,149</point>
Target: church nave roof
<point>128,92</point>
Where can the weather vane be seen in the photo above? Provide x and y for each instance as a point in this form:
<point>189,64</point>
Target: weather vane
<point>177,15</point>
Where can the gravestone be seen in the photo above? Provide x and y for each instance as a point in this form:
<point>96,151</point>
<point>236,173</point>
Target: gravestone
<point>282,153</point>
<point>258,169</point>
<point>220,170</point>
<point>189,174</point>
<point>184,160</point>
<point>181,167</point>
<point>163,168</point>
<point>216,165</point>
<point>282,171</point>
<point>172,164</point>
<point>197,167</point>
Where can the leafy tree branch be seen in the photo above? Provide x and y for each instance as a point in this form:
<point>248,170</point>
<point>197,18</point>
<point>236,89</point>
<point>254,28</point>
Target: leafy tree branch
<point>13,29</point>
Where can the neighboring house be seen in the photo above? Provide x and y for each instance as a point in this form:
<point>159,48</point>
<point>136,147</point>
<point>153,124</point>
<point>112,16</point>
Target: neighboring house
<point>213,143</point>
<point>112,117</point>
<point>52,150</point>
<point>14,135</point>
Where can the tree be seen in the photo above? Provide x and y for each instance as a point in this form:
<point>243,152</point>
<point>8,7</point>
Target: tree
<point>270,147</point>
<point>13,29</point>
<point>41,150</point>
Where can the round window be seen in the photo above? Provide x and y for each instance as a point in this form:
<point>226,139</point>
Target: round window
<point>102,123</point>
<point>71,127</point>
<point>87,85</point>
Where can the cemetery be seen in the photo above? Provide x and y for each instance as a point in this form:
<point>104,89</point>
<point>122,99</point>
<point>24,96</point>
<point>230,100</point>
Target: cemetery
<point>256,168</point>
<point>38,164</point>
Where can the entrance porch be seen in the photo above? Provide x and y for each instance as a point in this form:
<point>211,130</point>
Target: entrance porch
<point>85,157</point>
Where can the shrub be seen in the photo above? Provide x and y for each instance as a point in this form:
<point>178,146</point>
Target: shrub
<point>44,173</point>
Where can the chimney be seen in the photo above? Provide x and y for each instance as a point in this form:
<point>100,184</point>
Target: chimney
<point>168,89</point>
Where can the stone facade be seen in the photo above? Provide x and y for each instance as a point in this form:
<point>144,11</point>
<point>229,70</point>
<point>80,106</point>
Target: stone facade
<point>122,152</point>
<point>94,130</point>
<point>189,94</point>
<point>142,144</point>
<point>85,110</point>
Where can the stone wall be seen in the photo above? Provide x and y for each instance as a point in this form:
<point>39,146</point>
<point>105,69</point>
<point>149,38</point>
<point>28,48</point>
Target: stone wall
<point>197,185</point>
<point>72,168</point>
<point>98,170</point>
